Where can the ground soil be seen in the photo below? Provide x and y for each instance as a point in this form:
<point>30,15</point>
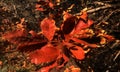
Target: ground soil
<point>104,59</point>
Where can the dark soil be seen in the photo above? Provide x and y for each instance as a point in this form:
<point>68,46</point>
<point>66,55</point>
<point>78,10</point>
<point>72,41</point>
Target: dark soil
<point>103,59</point>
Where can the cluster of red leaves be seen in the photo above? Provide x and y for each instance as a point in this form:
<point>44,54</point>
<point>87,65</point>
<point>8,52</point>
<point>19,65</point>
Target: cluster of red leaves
<point>53,44</point>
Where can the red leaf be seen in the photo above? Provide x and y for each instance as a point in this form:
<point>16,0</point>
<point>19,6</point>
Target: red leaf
<point>48,28</point>
<point>82,25</point>
<point>31,45</point>
<point>38,7</point>
<point>51,5</point>
<point>78,52</point>
<point>33,33</point>
<point>66,15</point>
<point>47,53</point>
<point>84,43</point>
<point>84,15</point>
<point>69,24</point>
<point>108,37</point>
<point>13,36</point>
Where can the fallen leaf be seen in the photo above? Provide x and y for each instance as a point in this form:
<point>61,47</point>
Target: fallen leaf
<point>69,24</point>
<point>14,35</point>
<point>78,52</point>
<point>47,53</point>
<point>48,28</point>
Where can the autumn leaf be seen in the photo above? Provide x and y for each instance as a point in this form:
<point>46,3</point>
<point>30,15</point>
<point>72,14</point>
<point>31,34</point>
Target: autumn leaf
<point>33,33</point>
<point>78,52</point>
<point>39,6</point>
<point>84,15</point>
<point>48,28</point>
<point>69,24</point>
<point>84,22</point>
<point>108,37</point>
<point>31,45</point>
<point>82,25</point>
<point>15,36</point>
<point>47,53</point>
<point>84,43</point>
<point>40,9</point>
<point>66,15</point>
<point>51,5</point>
<point>79,24</point>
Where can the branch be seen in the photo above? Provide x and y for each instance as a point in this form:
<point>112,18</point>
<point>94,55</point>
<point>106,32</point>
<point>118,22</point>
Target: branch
<point>100,8</point>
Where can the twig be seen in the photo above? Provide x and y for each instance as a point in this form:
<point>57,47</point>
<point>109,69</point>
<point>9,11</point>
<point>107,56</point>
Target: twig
<point>107,17</point>
<point>116,44</point>
<point>99,8</point>
<point>116,56</point>
<point>96,9</point>
<point>100,3</point>
<point>14,7</point>
<point>11,51</point>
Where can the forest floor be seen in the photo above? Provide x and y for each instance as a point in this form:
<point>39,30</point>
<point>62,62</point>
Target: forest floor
<point>104,13</point>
